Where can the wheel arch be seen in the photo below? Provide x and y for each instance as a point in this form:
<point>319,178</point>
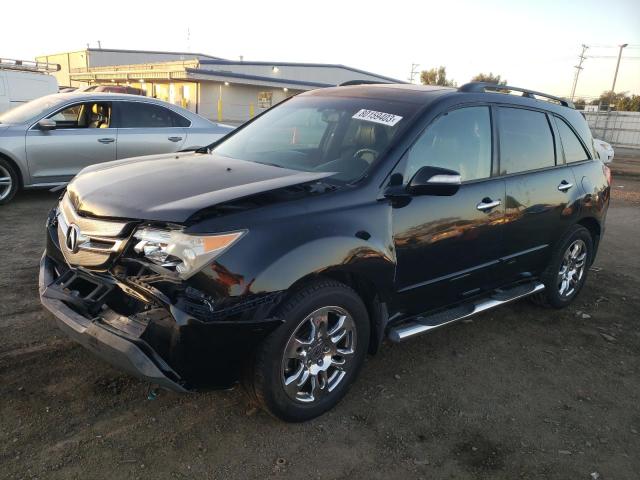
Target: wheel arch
<point>15,166</point>
<point>595,229</point>
<point>370,294</point>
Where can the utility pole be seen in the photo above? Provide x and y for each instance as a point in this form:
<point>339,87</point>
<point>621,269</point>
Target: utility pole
<point>615,75</point>
<point>613,88</point>
<point>414,71</point>
<point>578,68</point>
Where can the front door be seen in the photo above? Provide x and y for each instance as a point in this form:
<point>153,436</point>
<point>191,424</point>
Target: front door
<point>83,136</point>
<point>448,246</point>
<point>147,129</point>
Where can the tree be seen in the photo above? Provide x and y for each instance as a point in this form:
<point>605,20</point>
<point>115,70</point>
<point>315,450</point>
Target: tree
<point>619,101</point>
<point>436,76</point>
<point>629,104</point>
<point>489,78</point>
<point>579,103</point>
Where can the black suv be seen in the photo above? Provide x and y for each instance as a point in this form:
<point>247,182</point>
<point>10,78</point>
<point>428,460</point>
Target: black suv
<point>285,252</point>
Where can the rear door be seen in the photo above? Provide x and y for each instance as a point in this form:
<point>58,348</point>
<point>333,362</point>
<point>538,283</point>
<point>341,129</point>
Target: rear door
<point>540,190</point>
<point>146,129</point>
<point>83,136</point>
<point>448,247</point>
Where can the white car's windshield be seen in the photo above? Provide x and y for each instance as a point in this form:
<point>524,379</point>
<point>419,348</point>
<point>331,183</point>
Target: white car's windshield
<point>321,133</point>
<point>30,110</point>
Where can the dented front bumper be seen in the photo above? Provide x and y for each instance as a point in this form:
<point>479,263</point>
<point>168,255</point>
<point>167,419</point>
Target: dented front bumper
<point>165,337</point>
<point>123,350</point>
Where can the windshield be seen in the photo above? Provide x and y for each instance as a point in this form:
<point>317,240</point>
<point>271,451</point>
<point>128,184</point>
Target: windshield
<point>30,110</point>
<point>323,134</point>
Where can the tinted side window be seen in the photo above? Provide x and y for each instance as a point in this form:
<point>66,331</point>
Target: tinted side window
<point>573,149</point>
<point>459,140</point>
<point>526,141</point>
<point>145,115</point>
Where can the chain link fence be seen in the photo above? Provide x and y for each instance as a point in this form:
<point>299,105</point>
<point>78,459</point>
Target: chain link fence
<point>621,129</point>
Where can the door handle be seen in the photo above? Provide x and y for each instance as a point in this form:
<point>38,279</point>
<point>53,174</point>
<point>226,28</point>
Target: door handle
<point>174,139</point>
<point>487,204</point>
<point>106,140</point>
<point>564,186</point>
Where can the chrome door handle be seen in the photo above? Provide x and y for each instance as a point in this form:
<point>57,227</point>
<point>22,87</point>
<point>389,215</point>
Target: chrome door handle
<point>564,186</point>
<point>482,206</point>
<point>106,140</point>
<point>174,139</point>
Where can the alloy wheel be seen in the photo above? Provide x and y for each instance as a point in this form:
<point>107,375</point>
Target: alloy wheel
<point>319,354</point>
<point>6,183</point>
<point>572,268</point>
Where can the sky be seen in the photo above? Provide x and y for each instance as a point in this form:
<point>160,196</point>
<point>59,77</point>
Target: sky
<point>533,44</point>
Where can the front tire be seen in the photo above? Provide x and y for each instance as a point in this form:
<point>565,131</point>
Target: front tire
<point>566,273</point>
<point>307,365</point>
<point>9,181</point>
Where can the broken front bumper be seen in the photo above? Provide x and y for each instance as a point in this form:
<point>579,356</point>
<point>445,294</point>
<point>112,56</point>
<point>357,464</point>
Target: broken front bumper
<point>123,350</point>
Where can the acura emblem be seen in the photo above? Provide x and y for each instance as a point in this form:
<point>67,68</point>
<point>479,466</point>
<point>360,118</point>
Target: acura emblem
<point>73,235</point>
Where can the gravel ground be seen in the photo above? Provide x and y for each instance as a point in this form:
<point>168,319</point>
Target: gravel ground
<point>517,393</point>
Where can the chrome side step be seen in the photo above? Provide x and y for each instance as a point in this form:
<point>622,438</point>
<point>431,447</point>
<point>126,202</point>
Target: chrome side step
<point>421,325</point>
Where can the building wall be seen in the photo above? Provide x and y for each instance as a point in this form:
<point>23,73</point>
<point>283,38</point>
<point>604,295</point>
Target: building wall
<point>88,58</point>
<point>67,61</point>
<point>102,58</point>
<point>238,101</point>
<point>311,73</point>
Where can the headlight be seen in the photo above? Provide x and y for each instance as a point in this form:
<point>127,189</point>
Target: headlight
<point>186,253</point>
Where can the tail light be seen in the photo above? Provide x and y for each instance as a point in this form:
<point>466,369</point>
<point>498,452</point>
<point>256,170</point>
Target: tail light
<point>607,173</point>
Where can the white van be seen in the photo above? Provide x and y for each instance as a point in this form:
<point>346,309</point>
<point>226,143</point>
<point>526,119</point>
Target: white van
<point>22,81</point>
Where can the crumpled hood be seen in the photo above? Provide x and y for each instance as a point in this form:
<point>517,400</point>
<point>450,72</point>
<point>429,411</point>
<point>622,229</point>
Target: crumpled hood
<point>173,187</point>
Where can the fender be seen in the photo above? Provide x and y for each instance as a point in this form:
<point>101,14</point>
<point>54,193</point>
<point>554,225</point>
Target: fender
<point>21,167</point>
<point>364,259</point>
<point>278,252</point>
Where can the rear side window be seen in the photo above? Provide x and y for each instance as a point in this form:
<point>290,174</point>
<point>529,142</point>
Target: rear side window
<point>146,115</point>
<point>573,149</point>
<point>459,140</point>
<point>526,142</point>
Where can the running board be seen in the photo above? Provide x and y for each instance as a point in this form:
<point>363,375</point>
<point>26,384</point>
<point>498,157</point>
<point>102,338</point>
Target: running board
<point>421,325</point>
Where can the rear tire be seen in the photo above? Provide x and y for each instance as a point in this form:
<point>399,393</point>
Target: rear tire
<point>567,271</point>
<point>9,181</point>
<point>307,365</point>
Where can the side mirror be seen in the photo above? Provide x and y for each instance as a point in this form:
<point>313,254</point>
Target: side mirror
<point>47,124</point>
<point>434,181</point>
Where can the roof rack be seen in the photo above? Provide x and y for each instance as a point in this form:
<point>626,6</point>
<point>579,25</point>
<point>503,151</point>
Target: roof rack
<point>495,88</point>
<point>360,82</point>
<point>28,65</point>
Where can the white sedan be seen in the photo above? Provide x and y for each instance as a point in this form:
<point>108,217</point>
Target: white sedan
<point>604,149</point>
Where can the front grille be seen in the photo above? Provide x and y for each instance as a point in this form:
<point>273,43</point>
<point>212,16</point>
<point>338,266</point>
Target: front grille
<point>95,242</point>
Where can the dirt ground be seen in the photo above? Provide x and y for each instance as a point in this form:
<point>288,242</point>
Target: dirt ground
<point>517,393</point>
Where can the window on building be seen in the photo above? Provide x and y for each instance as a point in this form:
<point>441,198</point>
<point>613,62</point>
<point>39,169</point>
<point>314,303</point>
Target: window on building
<point>265,99</point>
<point>146,115</point>
<point>526,141</point>
<point>459,140</point>
<point>573,149</point>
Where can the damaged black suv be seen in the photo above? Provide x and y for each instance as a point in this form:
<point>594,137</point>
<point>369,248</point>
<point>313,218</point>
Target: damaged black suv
<point>285,252</point>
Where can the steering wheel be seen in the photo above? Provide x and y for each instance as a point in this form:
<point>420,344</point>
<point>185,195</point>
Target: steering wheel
<point>362,151</point>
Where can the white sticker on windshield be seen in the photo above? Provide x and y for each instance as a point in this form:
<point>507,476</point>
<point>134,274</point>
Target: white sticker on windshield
<point>377,117</point>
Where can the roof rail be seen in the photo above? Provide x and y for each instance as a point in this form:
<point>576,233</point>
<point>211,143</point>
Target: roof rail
<point>28,65</point>
<point>495,88</point>
<point>360,82</point>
